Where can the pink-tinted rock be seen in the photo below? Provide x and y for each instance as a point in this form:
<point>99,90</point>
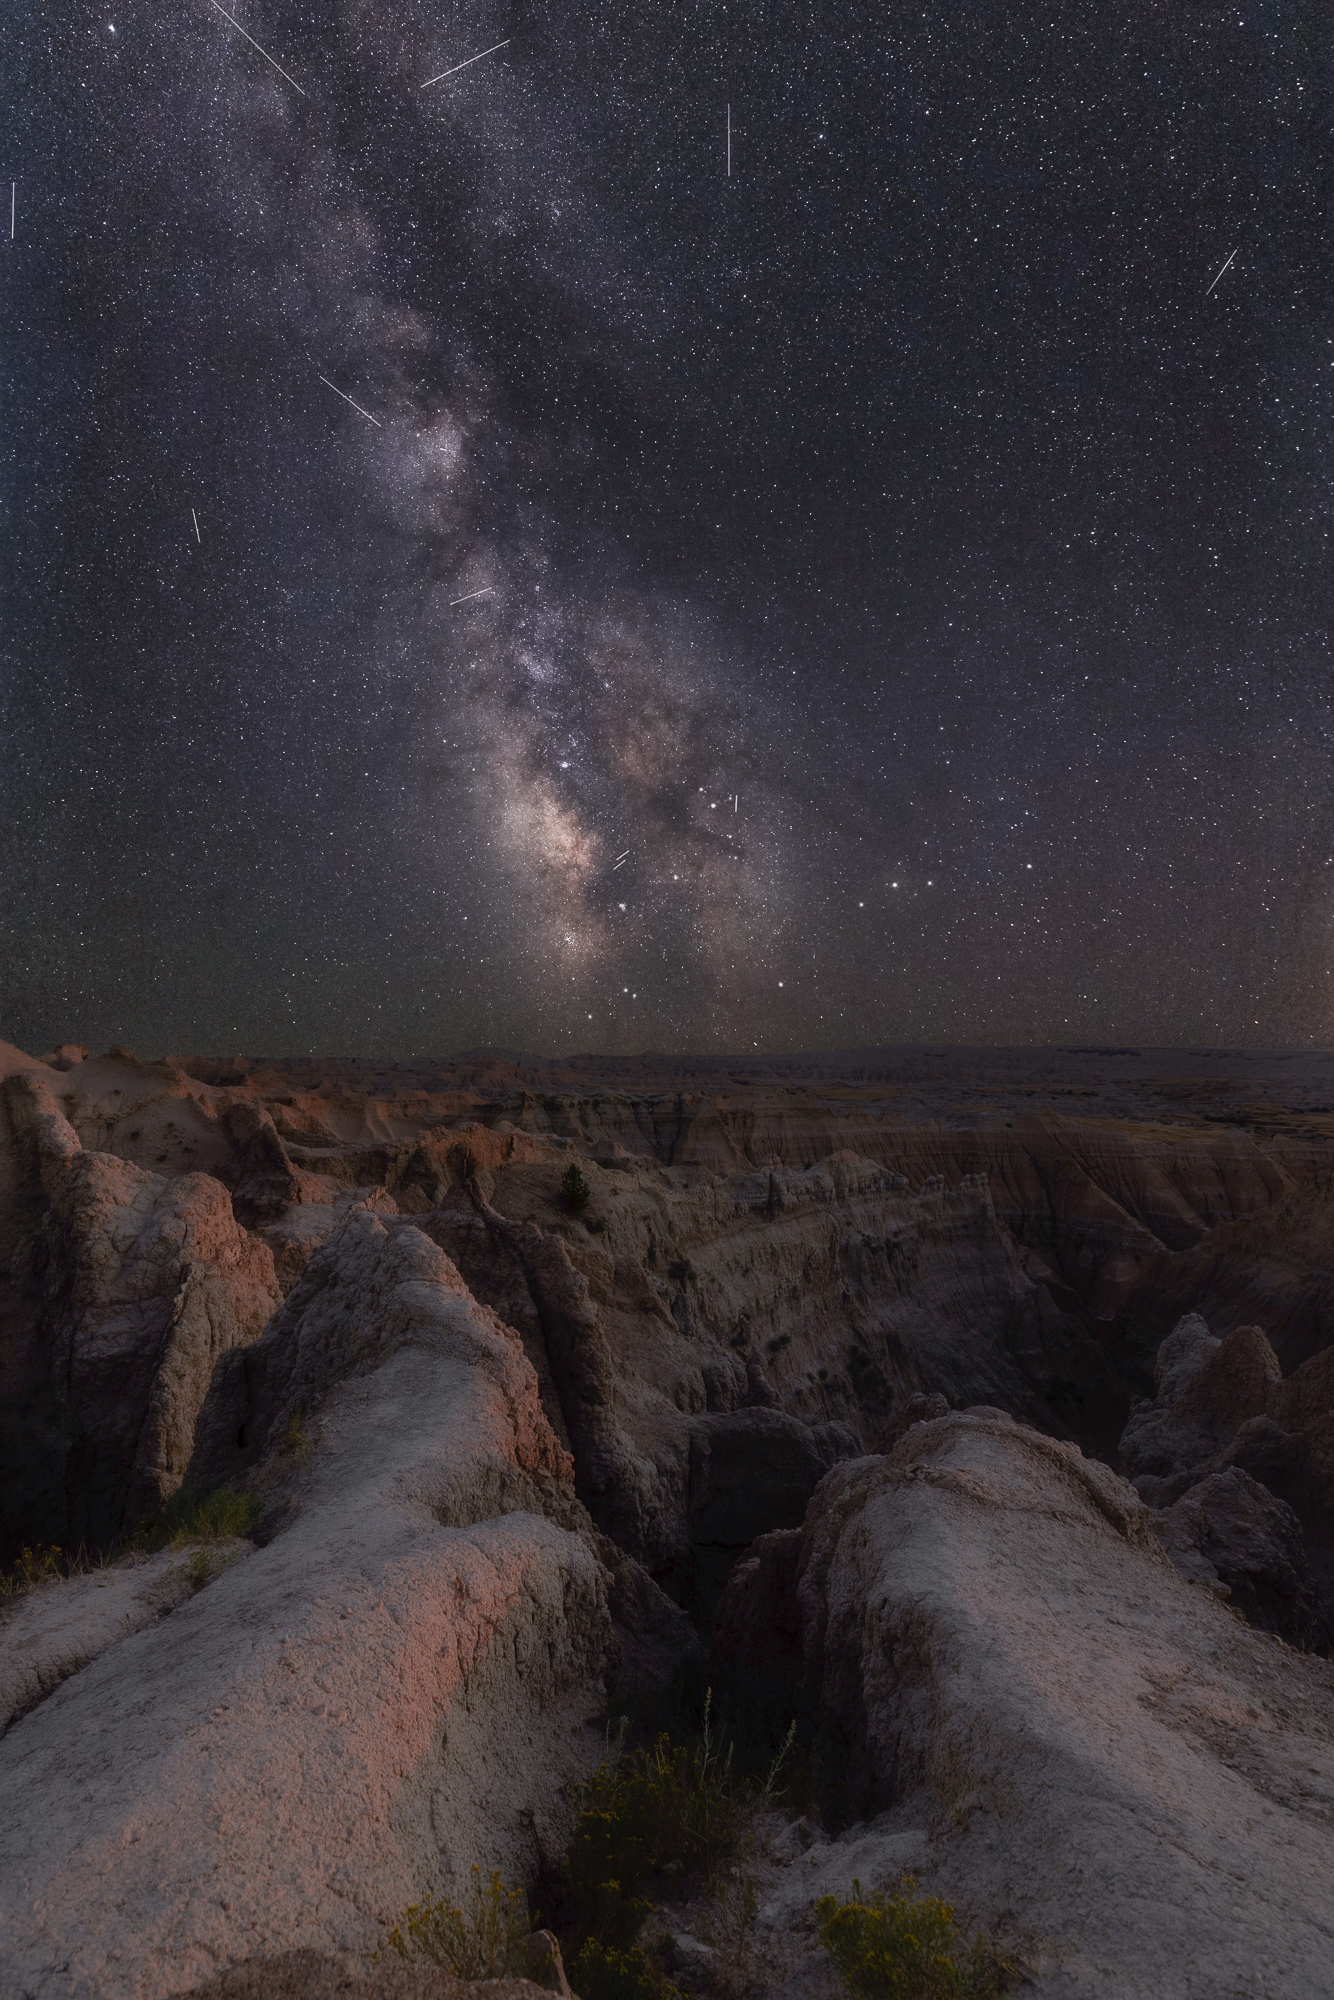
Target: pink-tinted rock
<point>145,1281</point>
<point>397,1686</point>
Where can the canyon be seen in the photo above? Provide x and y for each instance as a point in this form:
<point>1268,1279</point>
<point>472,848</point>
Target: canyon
<point>977,1405</point>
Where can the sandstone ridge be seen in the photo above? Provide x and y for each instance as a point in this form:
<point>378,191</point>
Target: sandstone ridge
<point>1112,1771</point>
<point>413,1662</point>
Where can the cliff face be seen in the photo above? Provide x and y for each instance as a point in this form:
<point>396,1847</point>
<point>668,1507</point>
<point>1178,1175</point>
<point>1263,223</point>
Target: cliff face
<point>130,1285</point>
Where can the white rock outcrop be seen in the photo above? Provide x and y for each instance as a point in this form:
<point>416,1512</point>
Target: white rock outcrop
<point>398,1685</point>
<point>50,1632</point>
<point>1117,1775</point>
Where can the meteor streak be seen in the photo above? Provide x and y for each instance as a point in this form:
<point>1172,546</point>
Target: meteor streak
<point>255,45</point>
<point>1210,288</point>
<point>347,399</point>
<point>465,65</point>
<point>488,591</point>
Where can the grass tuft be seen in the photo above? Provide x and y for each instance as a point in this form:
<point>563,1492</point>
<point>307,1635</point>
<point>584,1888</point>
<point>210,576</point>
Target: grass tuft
<point>200,1568</point>
<point>297,1440</point>
<point>677,1810</point>
<point>670,1817</point>
<point>220,1516</point>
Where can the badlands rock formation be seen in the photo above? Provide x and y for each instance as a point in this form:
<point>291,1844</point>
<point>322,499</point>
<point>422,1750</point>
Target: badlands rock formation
<point>60,1626</point>
<point>1242,1461</point>
<point>1100,1761</point>
<point>505,1451</point>
<point>402,1679</point>
<point>126,1287</point>
<point>821,1237</point>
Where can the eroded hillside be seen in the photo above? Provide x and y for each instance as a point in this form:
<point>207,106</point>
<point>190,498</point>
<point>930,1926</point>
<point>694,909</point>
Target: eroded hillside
<point>771,1257</point>
<point>525,1383</point>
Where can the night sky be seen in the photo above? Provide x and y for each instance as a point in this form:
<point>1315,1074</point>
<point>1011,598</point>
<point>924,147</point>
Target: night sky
<point>895,551</point>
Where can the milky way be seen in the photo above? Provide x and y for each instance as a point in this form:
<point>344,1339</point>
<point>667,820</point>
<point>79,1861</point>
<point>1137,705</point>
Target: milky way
<point>882,595</point>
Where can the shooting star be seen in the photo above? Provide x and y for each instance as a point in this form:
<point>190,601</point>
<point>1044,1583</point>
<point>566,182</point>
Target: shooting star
<point>488,591</point>
<point>356,406</point>
<point>1221,272</point>
<point>729,142</point>
<point>195,518</point>
<point>255,45</point>
<point>468,64</point>
<point>620,861</point>
<point>13,197</point>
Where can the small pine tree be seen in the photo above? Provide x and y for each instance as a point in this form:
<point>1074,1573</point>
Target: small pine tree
<point>575,1189</point>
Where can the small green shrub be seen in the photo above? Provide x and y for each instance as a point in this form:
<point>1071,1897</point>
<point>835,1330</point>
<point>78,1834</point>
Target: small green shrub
<point>40,1563</point>
<point>483,1940</point>
<point>297,1440</point>
<point>895,1948</point>
<point>200,1568</point>
<point>678,1812</point>
<point>675,1809</point>
<point>601,1972</point>
<point>219,1516</point>
<point>575,1190</point>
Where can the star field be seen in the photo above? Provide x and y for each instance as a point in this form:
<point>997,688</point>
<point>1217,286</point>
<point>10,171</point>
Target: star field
<point>882,595</point>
